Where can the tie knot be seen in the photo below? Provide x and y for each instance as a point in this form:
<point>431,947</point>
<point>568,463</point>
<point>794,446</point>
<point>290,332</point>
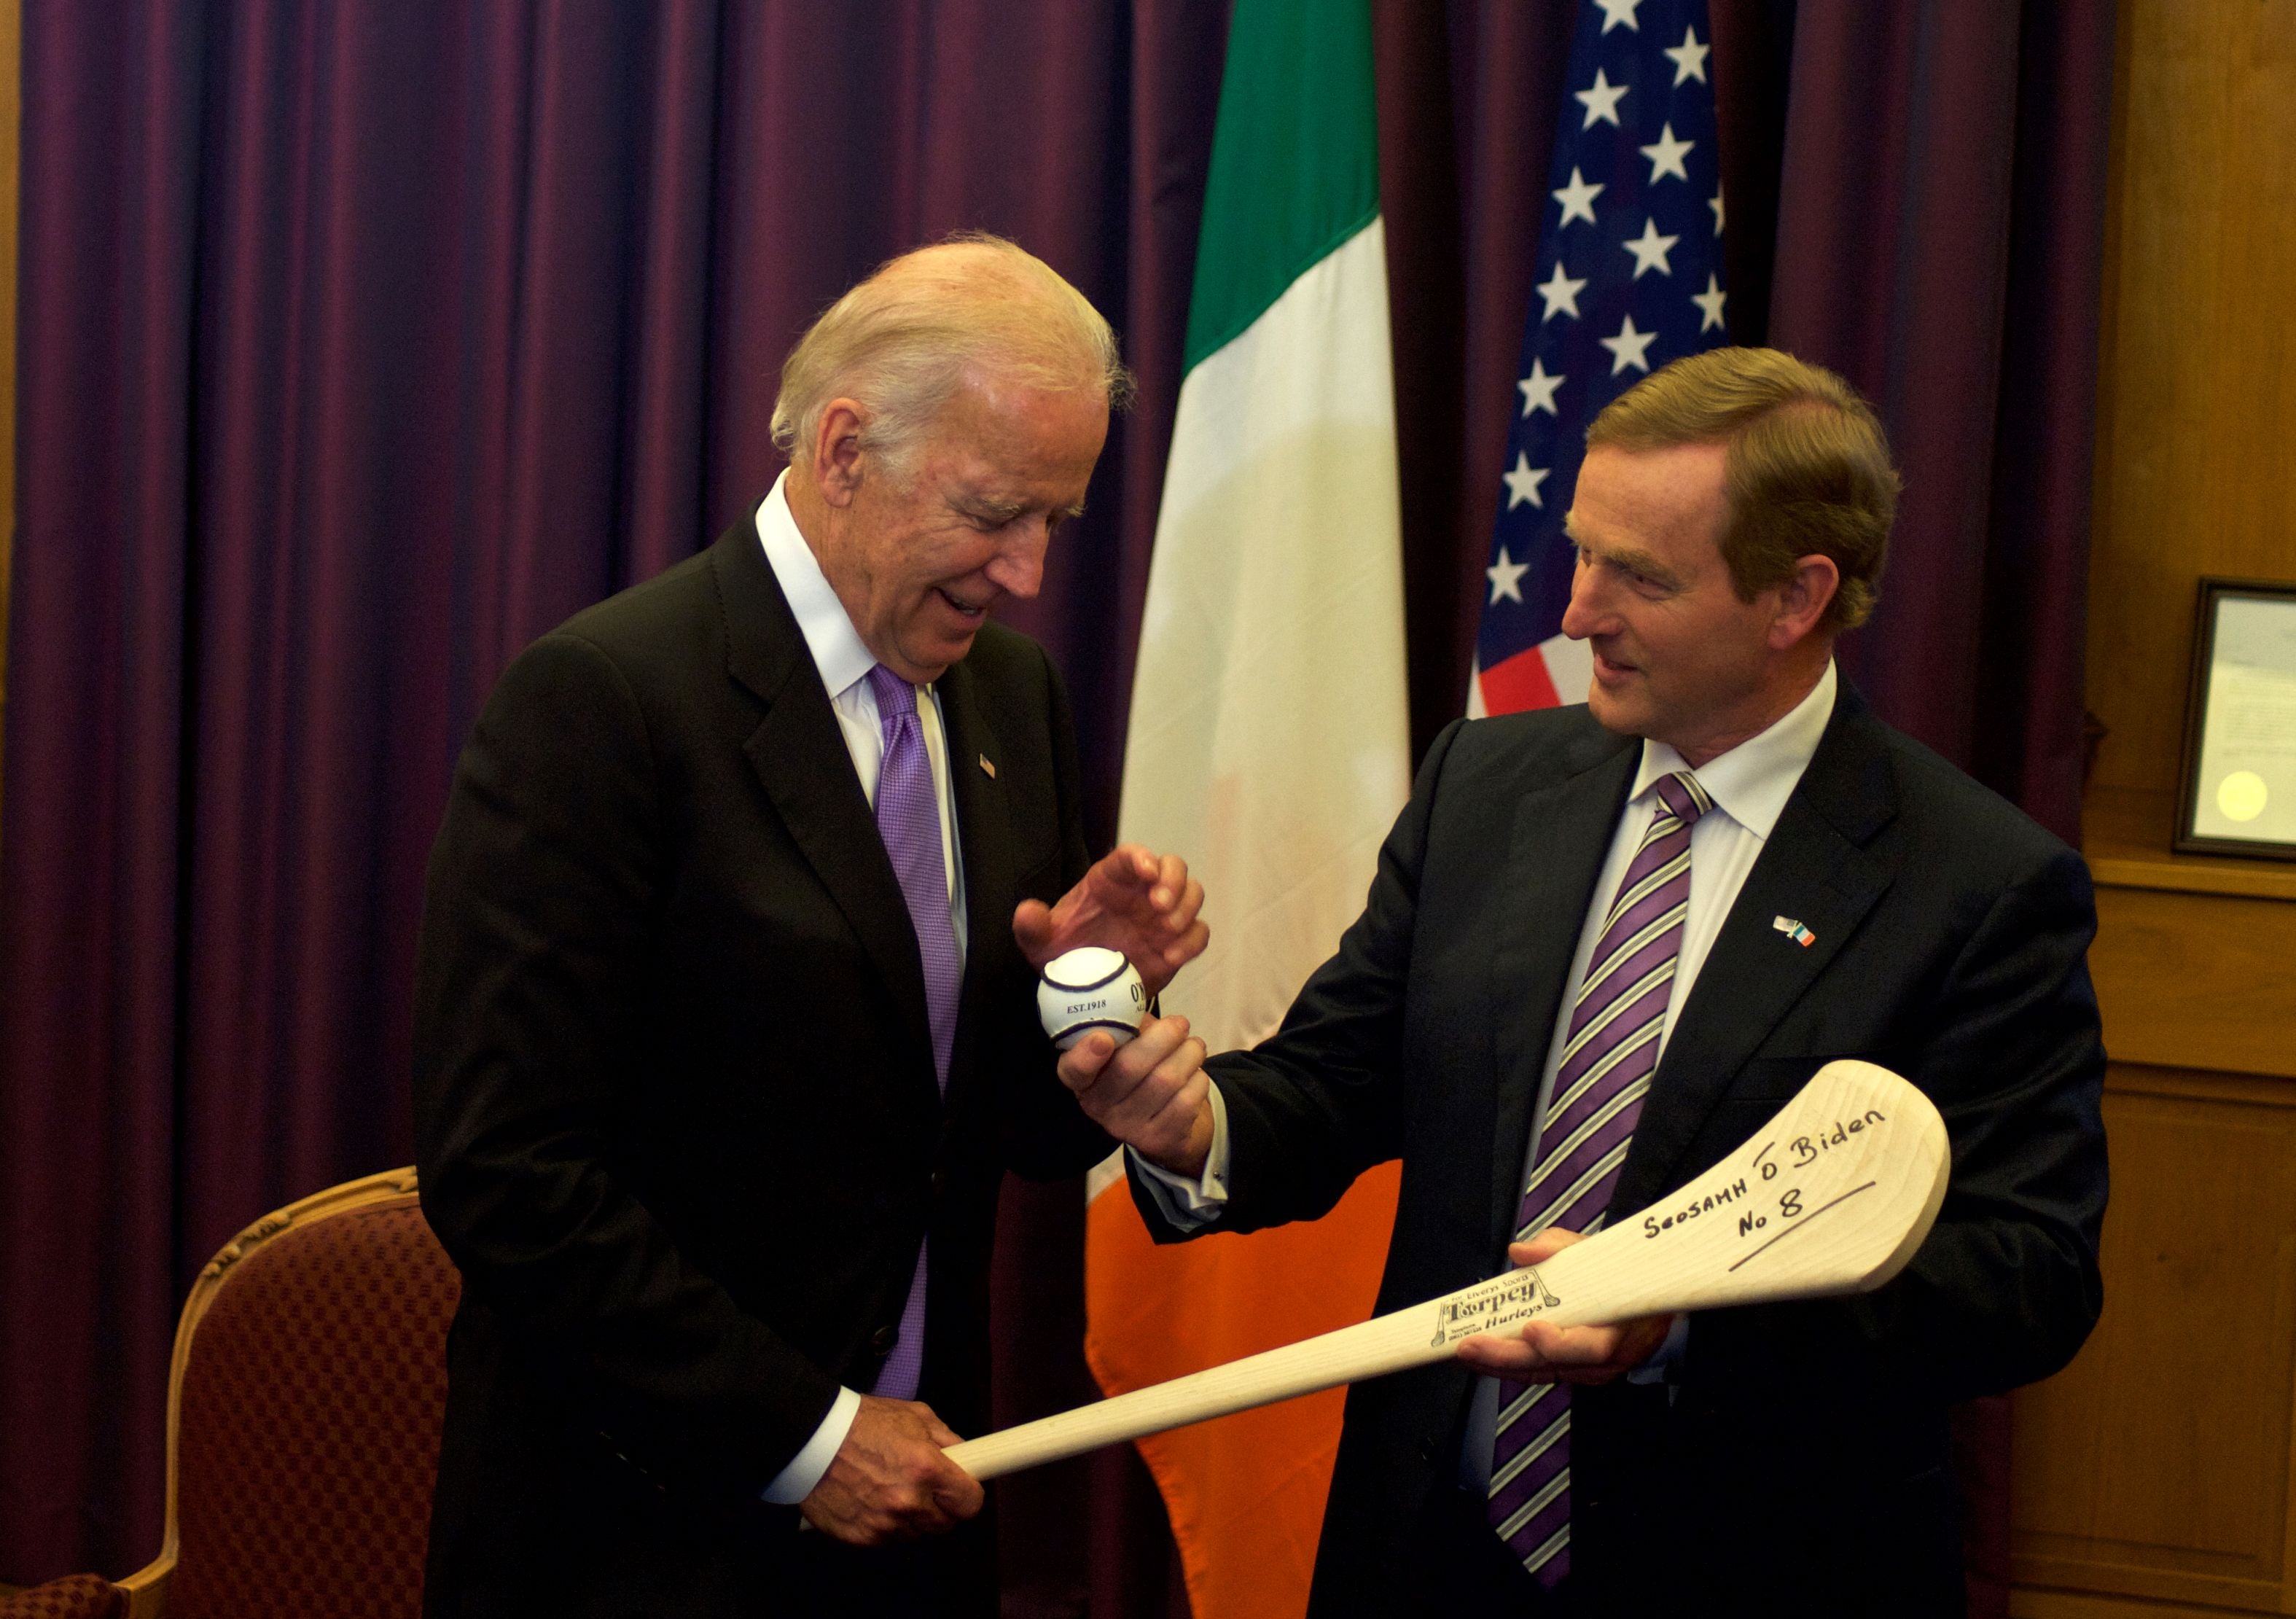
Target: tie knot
<point>1682,794</point>
<point>895,696</point>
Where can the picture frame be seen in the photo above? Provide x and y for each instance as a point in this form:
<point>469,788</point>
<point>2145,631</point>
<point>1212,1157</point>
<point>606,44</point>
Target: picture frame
<point>2237,783</point>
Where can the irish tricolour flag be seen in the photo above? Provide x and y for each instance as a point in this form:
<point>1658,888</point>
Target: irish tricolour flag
<point>1269,745</point>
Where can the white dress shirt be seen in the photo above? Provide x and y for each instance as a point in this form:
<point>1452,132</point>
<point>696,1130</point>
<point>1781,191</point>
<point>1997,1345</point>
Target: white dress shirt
<point>1749,785</point>
<point>845,661</point>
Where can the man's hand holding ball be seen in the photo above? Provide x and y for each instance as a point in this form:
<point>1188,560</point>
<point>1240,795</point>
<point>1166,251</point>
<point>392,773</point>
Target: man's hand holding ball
<point>1147,1091</point>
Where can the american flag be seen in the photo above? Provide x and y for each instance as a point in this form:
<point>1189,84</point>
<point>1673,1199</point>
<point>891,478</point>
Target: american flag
<point>1630,265</point>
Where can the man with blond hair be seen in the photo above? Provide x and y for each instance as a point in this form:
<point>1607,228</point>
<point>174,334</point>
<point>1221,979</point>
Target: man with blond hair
<point>725,1024</point>
<point>1604,944</point>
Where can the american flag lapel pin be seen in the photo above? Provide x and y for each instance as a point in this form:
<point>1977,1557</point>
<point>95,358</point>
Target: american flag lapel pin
<point>987,766</point>
<point>1794,931</point>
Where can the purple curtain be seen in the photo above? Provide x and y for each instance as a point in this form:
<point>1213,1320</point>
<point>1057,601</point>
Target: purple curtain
<point>363,344</point>
<point>359,344</point>
<point>1939,229</point>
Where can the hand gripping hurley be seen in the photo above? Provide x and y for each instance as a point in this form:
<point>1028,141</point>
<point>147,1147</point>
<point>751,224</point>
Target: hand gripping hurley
<point>1831,1196</point>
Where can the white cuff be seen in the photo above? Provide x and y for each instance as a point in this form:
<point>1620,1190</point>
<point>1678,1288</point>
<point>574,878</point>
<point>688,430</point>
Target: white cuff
<point>795,1481</point>
<point>1187,1204</point>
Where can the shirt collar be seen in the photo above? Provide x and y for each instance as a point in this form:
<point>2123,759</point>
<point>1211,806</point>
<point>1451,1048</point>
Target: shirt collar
<point>1753,781</point>
<point>838,653</point>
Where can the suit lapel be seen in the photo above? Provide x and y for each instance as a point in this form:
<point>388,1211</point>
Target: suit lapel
<point>1815,869</point>
<point>1559,839</point>
<point>984,831</point>
<point>800,758</point>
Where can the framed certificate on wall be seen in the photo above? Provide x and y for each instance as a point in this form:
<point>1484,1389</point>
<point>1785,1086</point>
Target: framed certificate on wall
<point>2238,789</point>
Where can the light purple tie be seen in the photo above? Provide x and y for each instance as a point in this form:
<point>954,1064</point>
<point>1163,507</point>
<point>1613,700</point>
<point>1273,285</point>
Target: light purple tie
<point>1608,1055</point>
<point>908,818</point>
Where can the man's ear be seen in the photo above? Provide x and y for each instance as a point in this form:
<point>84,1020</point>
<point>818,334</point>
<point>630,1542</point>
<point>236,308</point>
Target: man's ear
<point>835,462</point>
<point>1803,599</point>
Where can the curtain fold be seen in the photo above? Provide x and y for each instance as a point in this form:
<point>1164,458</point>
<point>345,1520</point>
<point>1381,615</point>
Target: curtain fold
<point>91,855</point>
<point>1940,219</point>
<point>359,344</point>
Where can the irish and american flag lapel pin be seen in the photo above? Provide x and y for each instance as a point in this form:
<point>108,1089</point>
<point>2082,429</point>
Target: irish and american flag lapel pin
<point>1794,931</point>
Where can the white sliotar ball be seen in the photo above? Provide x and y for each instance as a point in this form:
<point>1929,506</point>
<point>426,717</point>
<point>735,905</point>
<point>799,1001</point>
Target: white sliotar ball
<point>1090,989</point>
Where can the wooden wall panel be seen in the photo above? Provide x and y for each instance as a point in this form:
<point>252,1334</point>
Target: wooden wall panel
<point>2197,981</point>
<point>2028,1603</point>
<point>2197,389</point>
<point>2154,1477</point>
<point>2157,1464</point>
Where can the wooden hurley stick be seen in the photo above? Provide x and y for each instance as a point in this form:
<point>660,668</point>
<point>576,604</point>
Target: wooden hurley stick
<point>1833,1195</point>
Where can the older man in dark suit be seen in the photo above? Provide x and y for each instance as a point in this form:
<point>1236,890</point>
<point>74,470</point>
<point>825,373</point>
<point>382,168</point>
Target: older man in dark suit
<point>1603,945</point>
<point>727,1031</point>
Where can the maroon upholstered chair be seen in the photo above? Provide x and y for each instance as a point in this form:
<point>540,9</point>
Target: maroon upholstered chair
<point>303,1416</point>
<point>74,1596</point>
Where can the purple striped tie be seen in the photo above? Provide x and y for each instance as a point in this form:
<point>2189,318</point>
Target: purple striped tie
<point>908,818</point>
<point>1607,1058</point>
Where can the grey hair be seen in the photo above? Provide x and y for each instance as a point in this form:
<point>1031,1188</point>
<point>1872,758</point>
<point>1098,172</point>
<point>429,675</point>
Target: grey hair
<point>902,342</point>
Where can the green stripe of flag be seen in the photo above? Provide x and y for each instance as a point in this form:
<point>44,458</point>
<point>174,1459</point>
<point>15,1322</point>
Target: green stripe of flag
<point>1295,159</point>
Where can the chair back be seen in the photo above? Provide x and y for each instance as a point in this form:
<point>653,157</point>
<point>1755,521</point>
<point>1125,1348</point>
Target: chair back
<point>310,1387</point>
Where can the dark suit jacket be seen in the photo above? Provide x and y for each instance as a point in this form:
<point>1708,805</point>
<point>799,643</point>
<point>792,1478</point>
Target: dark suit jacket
<point>1799,1463</point>
<point>676,1108</point>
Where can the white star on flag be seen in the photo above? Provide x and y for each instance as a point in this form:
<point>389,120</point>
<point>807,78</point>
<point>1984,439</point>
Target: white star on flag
<point>1618,12</point>
<point>1506,578</point>
<point>1650,249</point>
<point>1627,349</point>
<point>1578,199</point>
<point>1666,155</point>
<point>1715,203</point>
<point>1689,57</point>
<point>1710,301</point>
<point>1560,291</point>
<point>1538,388</point>
<point>1522,483</point>
<point>1602,101</point>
